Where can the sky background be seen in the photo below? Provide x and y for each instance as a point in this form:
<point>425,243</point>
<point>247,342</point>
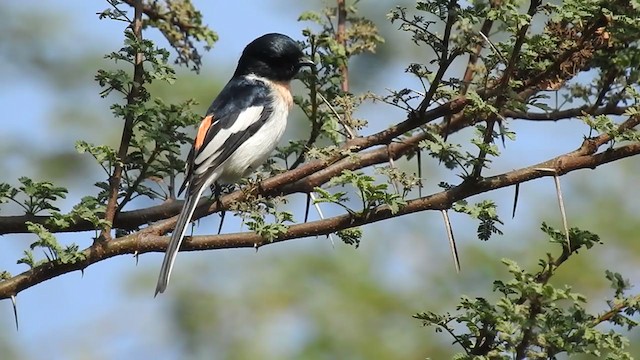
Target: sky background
<point>110,310</point>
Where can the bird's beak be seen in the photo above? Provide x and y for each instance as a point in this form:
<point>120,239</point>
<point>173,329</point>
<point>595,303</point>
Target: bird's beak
<point>306,62</point>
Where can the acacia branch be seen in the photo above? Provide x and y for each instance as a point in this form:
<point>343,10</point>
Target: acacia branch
<point>615,310</point>
<point>132,220</point>
<point>154,13</point>
<point>151,239</point>
<point>139,179</point>
<point>133,97</point>
<point>610,109</point>
<point>475,55</point>
<point>446,58</point>
<point>341,38</point>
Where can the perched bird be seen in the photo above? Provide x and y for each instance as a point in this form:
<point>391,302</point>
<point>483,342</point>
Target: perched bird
<point>241,127</point>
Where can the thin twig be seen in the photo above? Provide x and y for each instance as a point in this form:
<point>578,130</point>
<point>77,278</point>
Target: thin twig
<point>316,124</point>
<point>127,132</point>
<point>445,58</point>
<point>141,176</point>
<point>341,38</point>
<point>473,57</point>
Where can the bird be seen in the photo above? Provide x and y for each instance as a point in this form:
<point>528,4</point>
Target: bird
<point>240,129</point>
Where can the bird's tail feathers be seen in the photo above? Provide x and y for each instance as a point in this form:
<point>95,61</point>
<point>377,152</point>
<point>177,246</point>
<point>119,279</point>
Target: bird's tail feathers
<point>184,219</point>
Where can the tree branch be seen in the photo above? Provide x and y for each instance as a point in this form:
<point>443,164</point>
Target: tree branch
<point>150,239</point>
<point>133,97</point>
<point>131,220</point>
<point>473,57</point>
<point>446,58</point>
<point>154,13</point>
<point>610,109</point>
<point>341,38</point>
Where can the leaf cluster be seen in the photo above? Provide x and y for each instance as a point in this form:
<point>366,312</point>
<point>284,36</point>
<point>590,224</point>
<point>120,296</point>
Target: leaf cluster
<point>534,319</point>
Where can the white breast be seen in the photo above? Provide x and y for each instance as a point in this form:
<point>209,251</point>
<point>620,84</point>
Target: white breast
<point>257,149</point>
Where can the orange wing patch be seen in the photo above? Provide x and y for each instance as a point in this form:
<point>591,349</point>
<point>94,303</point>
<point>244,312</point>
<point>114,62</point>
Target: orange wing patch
<point>202,131</point>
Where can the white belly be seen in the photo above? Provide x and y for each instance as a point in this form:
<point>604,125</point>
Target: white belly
<point>257,149</point>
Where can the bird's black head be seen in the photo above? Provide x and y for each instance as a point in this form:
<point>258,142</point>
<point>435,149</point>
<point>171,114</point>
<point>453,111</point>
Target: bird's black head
<point>272,56</point>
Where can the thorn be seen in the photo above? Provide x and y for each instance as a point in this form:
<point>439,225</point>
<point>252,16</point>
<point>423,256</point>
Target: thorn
<point>563,213</point>
<point>222,213</point>
<point>217,192</point>
<point>306,209</point>
<point>256,246</point>
<point>452,241</point>
<point>317,206</point>
<point>419,157</point>
<point>81,273</point>
<point>447,121</point>
<point>136,254</point>
<point>15,311</point>
<point>330,237</point>
<point>347,129</point>
<point>501,127</point>
<point>565,224</point>
<point>393,166</point>
<point>493,47</point>
<point>515,200</point>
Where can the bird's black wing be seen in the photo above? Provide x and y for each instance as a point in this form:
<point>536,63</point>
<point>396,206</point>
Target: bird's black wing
<point>239,111</point>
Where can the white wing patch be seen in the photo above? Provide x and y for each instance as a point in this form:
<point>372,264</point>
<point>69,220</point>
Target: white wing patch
<point>212,150</point>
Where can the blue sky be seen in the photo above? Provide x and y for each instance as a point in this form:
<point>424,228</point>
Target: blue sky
<point>58,314</point>
<point>69,308</point>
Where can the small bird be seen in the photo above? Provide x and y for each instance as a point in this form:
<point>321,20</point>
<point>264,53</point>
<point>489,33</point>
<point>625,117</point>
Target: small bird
<point>241,127</point>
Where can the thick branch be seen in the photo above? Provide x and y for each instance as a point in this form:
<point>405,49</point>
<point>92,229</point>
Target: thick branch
<point>150,239</point>
<point>131,220</point>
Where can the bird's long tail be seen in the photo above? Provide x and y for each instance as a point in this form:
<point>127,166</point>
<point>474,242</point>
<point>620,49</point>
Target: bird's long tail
<point>176,238</point>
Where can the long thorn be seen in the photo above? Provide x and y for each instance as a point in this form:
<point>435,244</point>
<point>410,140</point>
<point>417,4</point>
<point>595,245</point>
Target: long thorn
<point>222,214</point>
<point>393,166</point>
<point>502,131</point>
<point>452,241</point>
<point>219,205</point>
<point>317,206</point>
<point>306,209</point>
<point>556,180</point>
<point>15,311</point>
<point>565,224</point>
<point>351,134</point>
<point>419,157</point>
<point>515,200</point>
<point>493,47</point>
